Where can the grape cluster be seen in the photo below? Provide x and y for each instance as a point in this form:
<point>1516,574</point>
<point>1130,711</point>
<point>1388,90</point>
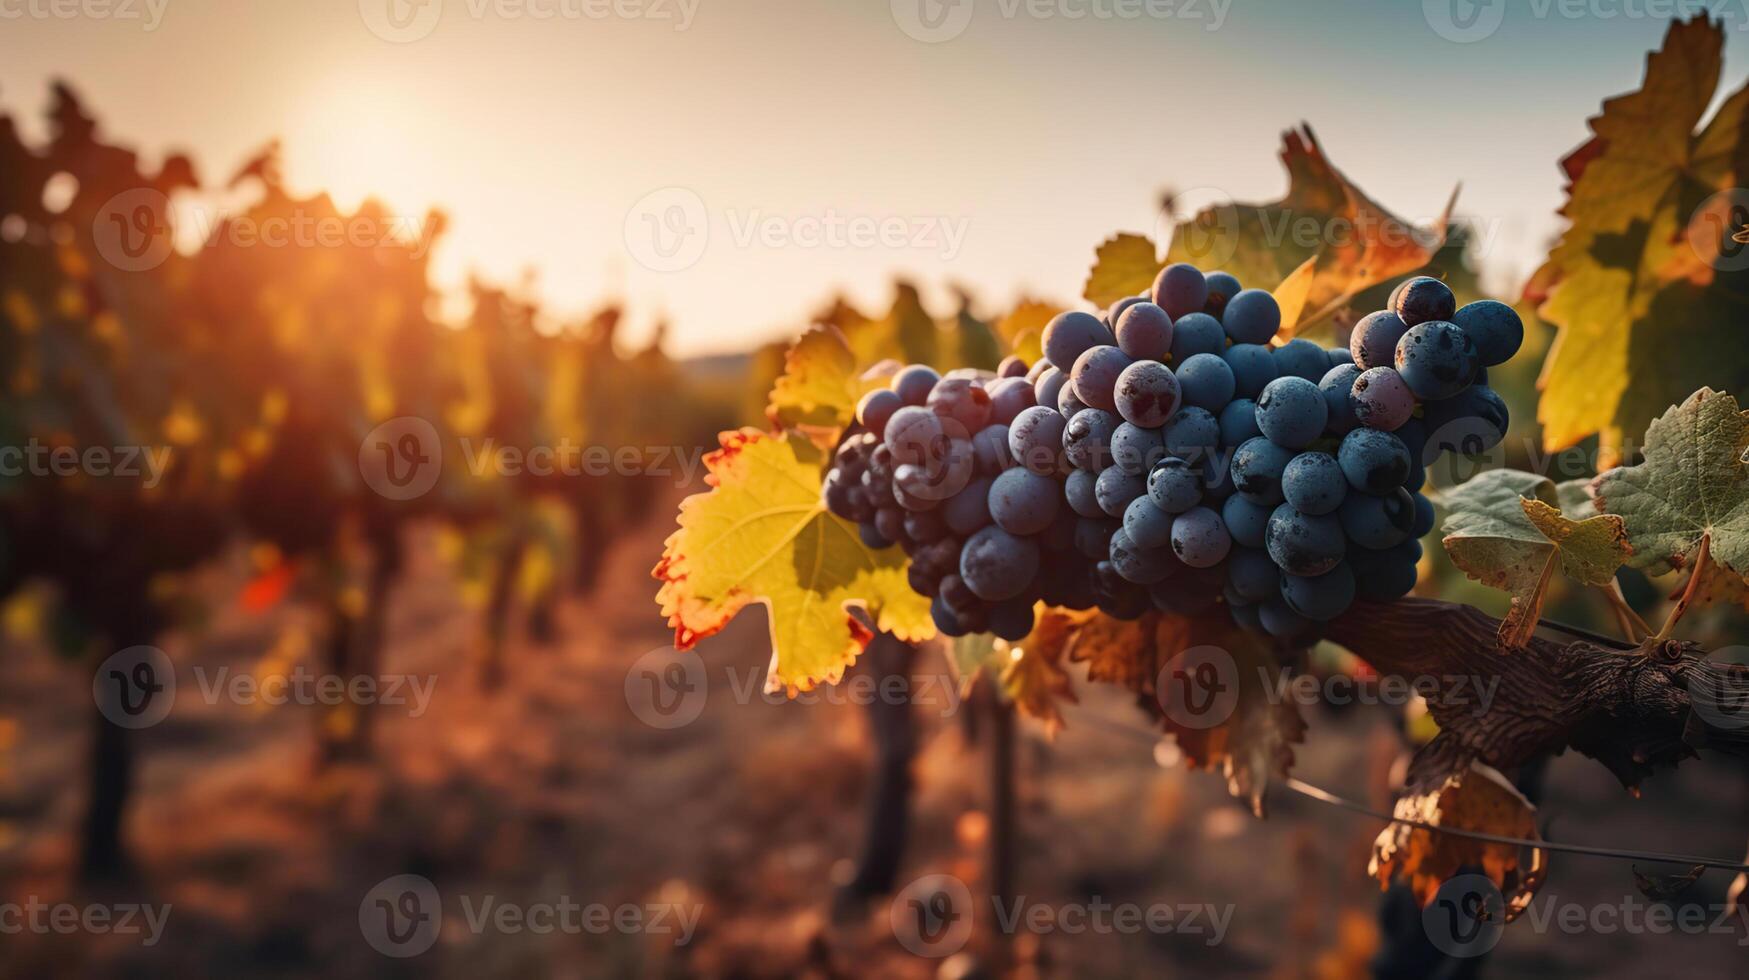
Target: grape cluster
<point>1166,455</point>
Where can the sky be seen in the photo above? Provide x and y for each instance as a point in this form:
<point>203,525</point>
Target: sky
<point>730,165</point>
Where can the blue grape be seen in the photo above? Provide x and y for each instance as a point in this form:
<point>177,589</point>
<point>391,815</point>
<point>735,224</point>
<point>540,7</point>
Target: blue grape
<point>1200,538</point>
<point>1049,386</point>
<point>1373,343</point>
<point>1291,412</point>
<point>1147,525</point>
<point>1416,479</point>
<point>1115,311</point>
<point>945,620</point>
<point>1300,358</point>
<point>997,565</point>
<point>962,401</point>
<point>1071,334</point>
<point>1012,620</point>
<point>1238,422</point>
<point>1381,399</point>
<point>1069,404</point>
<point>1011,367</point>
<point>1136,449</point>
<point>877,408</point>
<point>1304,544</point>
<point>1257,468</point>
<point>1493,327</point>
<point>1320,597</point>
<point>1144,331</point>
<point>1115,489</point>
<point>1378,520</point>
<point>1252,317</point>
<point>1008,398</point>
<point>1023,502</point>
<point>1340,356</point>
<point>914,434</point>
<point>1424,517</point>
<point>1247,521</point>
<point>1222,288</point>
<point>1383,575</point>
<point>1080,489</point>
<point>1247,615</point>
<point>1253,574</point>
<point>1217,478</point>
<point>1413,434</point>
<point>1313,483</point>
<point>1095,376</point>
<point>1035,440</point>
<point>1180,290</point>
<point>872,537</point>
<point>1437,359</point>
<point>1175,485</point>
<point>990,449</point>
<point>1206,381</point>
<point>913,384</point>
<point>1424,299</point>
<point>969,510</point>
<point>928,527</point>
<point>1473,421</point>
<point>1196,334</point>
<point>1253,367</point>
<point>1087,439</point>
<point>1337,385</point>
<point>1143,566</point>
<point>1147,394</point>
<point>1279,620</point>
<point>1093,536</point>
<point>1192,433</point>
<point>1373,461</point>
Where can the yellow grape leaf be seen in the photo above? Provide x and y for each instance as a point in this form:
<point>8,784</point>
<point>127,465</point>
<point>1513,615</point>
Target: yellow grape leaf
<point>1503,530</point>
<point>1477,798</point>
<point>762,535</point>
<point>907,332</point>
<point>1125,265</point>
<point>1645,307</point>
<point>1023,329</point>
<point>1117,651</point>
<point>1295,292</point>
<point>1353,241</point>
<point>1034,678</point>
<point>819,385</point>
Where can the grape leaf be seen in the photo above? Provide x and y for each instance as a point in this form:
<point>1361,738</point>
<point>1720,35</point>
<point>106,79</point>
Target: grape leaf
<point>1693,486</point>
<point>762,535</point>
<point>819,385</point>
<point>1023,329</point>
<point>1352,241</point>
<point>1643,317</point>
<point>969,654</point>
<point>1504,531</point>
<point>1034,678</point>
<point>1125,265</point>
<point>1476,798</point>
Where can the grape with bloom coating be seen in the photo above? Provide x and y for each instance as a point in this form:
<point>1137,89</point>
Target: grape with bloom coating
<point>1081,491</point>
<point>1136,449</point>
<point>1292,412</point>
<point>1180,290</point>
<point>1313,483</point>
<point>1222,288</point>
<point>1304,544</point>
<point>1035,440</point>
<point>1238,422</point>
<point>1023,502</point>
<point>1147,525</point>
<point>1196,334</point>
<point>1175,485</point>
<point>1200,538</point>
<point>1373,461</point>
<point>962,401</point>
<point>1087,439</point>
<point>1373,343</point>
<point>914,434</point>
<point>1049,386</point>
<point>1257,468</point>
<point>1095,376</point>
<point>1144,331</point>
<point>877,408</point>
<point>997,565</point>
<point>1381,399</point>
<point>1378,520</point>
<point>1205,380</point>
<point>1147,394</point>
<point>1253,367</point>
<point>1300,358</point>
<point>1115,489</point>
<point>1493,327</point>
<point>1437,360</point>
<point>1071,334</point>
<point>1008,398</point>
<point>1252,317</point>
<point>1338,387</point>
<point>1424,299</point>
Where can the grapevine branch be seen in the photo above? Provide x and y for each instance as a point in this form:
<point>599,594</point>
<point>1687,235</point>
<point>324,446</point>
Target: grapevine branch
<point>1626,706</point>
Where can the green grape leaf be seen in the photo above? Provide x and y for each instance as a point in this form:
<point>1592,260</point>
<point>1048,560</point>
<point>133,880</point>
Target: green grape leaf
<point>1504,530</point>
<point>1644,309</point>
<point>970,654</point>
<point>819,385</point>
<point>762,535</point>
<point>1692,487</point>
<point>1125,265</point>
<point>1352,241</point>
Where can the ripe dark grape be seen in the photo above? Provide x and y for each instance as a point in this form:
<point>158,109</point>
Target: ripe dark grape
<point>1011,367</point>
<point>1291,412</point>
<point>1373,461</point>
<point>1253,574</point>
<point>1069,404</point>
<point>1087,439</point>
<point>1437,359</point>
<point>1246,520</point>
<point>1114,313</point>
<point>1381,399</point>
<point>1313,483</point>
<point>913,434</point>
<point>1423,299</point>
<point>964,402</point>
<point>1146,394</point>
<point>1424,517</point>
<point>997,565</point>
<point>1373,343</point>
<point>1144,331</point>
<point>1493,327</point>
<point>1095,376</point>
<point>1071,334</point>
<point>990,452</point>
<point>1135,448</point>
<point>1238,421</point>
<point>1279,620</point>
<point>1049,387</point>
<point>1093,536</point>
<point>1023,502</point>
<point>1222,288</point>
<point>1011,620</point>
<point>1338,387</point>
<point>1378,520</point>
<point>1081,490</point>
<point>1300,358</point>
<point>1192,434</point>
<point>1252,317</point>
<point>1257,469</point>
<point>1008,398</point>
<point>1175,485</point>
<point>871,537</point>
<point>913,384</point>
<point>1206,382</point>
<point>1253,367</point>
<point>1320,597</point>
<point>1304,544</point>
<point>1147,525</point>
<point>1180,290</point>
<point>969,509</point>
<point>1200,538</point>
<point>1035,440</point>
<point>1473,421</point>
<point>1114,489</point>
<point>1142,566</point>
<point>926,527</point>
<point>877,407</point>
<point>1196,334</point>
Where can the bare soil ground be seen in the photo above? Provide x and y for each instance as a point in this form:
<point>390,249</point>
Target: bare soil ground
<point>552,788</point>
